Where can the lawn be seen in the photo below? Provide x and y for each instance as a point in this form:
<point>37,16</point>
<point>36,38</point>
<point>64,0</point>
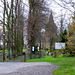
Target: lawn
<point>67,64</point>
<point>2,50</point>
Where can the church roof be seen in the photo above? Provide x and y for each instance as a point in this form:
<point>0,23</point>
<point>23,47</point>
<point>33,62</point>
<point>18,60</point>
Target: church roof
<point>51,25</point>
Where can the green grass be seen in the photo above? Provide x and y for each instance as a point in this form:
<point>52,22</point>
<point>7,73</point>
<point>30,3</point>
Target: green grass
<point>2,50</point>
<point>26,49</point>
<point>43,50</point>
<point>67,64</point>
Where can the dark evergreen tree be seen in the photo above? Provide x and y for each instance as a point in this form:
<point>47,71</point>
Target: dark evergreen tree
<point>63,38</point>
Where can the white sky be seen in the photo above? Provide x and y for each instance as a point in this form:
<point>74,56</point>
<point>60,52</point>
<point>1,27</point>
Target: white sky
<point>58,10</point>
<point>55,8</point>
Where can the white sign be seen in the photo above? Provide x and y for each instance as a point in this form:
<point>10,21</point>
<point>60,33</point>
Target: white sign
<point>33,48</point>
<point>37,48</point>
<point>59,45</point>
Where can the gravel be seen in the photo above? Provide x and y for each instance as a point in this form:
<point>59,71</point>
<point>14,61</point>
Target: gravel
<point>20,68</point>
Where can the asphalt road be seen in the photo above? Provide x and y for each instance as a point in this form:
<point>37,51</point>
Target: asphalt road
<point>21,68</point>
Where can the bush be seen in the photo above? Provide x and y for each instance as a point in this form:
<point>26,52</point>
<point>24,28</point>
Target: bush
<point>68,51</point>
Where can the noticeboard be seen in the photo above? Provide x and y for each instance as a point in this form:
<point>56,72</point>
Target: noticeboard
<point>35,49</point>
<point>60,45</point>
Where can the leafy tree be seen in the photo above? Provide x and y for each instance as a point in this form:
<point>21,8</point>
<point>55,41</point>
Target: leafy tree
<point>71,38</point>
<point>63,36</point>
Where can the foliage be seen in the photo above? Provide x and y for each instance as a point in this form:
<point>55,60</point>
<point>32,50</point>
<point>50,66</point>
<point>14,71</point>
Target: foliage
<point>67,64</point>
<point>71,39</point>
<point>63,38</point>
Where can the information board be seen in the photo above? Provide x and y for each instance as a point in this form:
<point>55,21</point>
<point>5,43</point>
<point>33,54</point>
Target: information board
<point>59,45</point>
<point>33,48</point>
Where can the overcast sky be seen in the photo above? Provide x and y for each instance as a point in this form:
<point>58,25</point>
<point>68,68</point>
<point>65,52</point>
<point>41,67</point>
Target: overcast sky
<point>57,9</point>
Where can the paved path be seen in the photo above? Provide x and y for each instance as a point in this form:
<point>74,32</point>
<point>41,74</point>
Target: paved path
<point>20,68</point>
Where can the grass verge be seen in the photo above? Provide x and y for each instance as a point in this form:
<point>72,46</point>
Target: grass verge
<point>2,50</point>
<point>67,64</point>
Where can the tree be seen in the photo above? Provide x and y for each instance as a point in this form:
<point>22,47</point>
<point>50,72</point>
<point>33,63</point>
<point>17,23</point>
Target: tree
<point>71,38</point>
<point>63,36</point>
<point>37,7</point>
<point>51,32</point>
<point>0,39</point>
<point>13,22</point>
<point>4,32</point>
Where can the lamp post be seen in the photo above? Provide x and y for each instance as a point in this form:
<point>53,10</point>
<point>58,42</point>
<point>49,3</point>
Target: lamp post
<point>3,47</point>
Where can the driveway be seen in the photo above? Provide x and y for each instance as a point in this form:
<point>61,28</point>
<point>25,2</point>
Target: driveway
<point>21,68</point>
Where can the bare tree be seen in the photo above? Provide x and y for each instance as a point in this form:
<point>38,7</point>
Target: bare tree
<point>37,8</point>
<point>13,22</point>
